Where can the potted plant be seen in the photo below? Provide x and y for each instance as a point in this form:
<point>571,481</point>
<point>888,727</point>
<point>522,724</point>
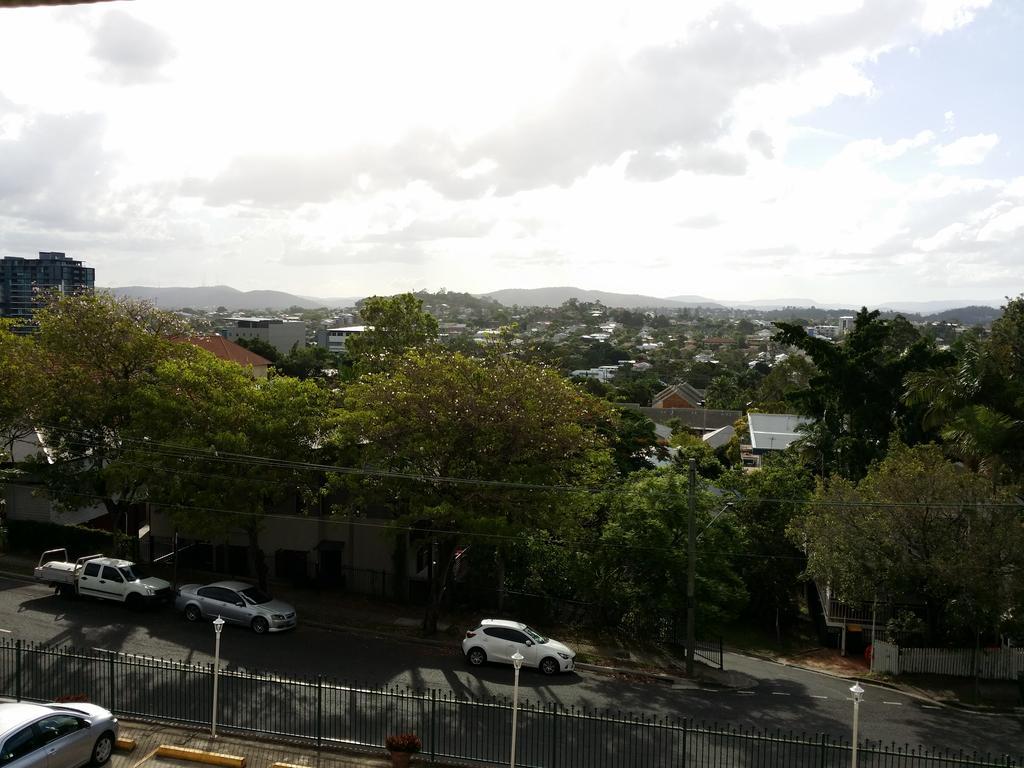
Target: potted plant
<point>402,747</point>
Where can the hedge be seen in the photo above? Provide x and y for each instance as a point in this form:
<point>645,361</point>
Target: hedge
<point>33,537</point>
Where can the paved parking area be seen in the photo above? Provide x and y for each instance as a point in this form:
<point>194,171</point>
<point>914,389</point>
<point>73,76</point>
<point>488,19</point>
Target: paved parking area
<point>257,753</point>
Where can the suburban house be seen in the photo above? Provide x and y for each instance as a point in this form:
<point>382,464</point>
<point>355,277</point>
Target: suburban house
<point>678,396</point>
<point>362,553</point>
<point>234,353</point>
<point>770,432</point>
<point>26,499</point>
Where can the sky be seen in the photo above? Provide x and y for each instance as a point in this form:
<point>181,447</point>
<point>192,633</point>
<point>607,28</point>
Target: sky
<point>848,151</point>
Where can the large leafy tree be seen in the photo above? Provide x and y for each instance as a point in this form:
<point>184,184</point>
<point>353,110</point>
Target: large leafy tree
<point>856,396</point>
<point>771,565</point>
<point>394,324</point>
<point>226,449</point>
<point>95,352</point>
<point>634,564</point>
<point>918,528</point>
<point>977,401</point>
<point>19,382</point>
<point>458,428</point>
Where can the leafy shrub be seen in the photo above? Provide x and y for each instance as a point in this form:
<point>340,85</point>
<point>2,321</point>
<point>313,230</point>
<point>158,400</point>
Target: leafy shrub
<point>34,536</point>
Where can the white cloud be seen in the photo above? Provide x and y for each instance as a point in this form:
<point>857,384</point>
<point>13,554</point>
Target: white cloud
<point>967,150</point>
<point>328,149</point>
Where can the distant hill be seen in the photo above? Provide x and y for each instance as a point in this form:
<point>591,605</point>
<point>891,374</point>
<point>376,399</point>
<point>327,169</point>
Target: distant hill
<point>975,315</point>
<point>211,297</point>
<point>932,307</point>
<point>775,304</point>
<point>556,297</point>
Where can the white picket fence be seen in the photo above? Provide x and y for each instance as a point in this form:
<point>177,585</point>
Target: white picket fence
<point>993,663</point>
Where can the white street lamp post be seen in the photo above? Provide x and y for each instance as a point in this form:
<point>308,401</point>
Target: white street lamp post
<point>517,662</point>
<point>858,694</point>
<point>218,625</point>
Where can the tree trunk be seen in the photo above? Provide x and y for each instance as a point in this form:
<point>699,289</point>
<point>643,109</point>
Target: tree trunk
<point>257,563</point>
<point>439,585</point>
<point>499,568</point>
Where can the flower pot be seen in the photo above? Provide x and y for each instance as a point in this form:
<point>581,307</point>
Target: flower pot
<point>401,759</point>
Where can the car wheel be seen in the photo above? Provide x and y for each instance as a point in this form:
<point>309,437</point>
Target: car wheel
<point>549,666</point>
<point>192,612</point>
<point>134,602</point>
<point>103,748</point>
<point>476,656</point>
<point>260,625</point>
<point>67,591</point>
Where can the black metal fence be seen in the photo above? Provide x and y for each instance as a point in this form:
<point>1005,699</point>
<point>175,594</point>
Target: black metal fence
<point>328,712</point>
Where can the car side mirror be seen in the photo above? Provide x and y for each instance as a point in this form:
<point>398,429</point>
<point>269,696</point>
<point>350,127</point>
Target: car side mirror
<point>529,643</point>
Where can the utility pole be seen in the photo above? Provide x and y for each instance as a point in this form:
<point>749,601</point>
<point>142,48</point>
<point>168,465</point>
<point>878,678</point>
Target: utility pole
<point>691,569</point>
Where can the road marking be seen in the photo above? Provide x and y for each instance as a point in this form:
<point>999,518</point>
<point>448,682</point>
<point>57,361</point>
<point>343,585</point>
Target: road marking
<point>930,706</point>
<point>779,693</point>
<point>745,693</point>
<point>816,696</point>
<point>894,703</point>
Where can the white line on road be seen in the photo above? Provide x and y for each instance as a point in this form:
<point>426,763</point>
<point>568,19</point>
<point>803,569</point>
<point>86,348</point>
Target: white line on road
<point>779,693</point>
<point>929,706</point>
<point>894,703</point>
<point>745,693</point>
<point>816,696</point>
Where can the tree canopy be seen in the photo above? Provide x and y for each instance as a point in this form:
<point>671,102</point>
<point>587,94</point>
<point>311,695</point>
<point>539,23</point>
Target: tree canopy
<point>460,426</point>
<point>95,353</point>
<point>394,324</point>
<point>856,395</point>
<point>919,529</point>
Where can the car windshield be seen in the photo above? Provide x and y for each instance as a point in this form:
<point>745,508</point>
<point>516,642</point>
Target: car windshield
<point>535,636</point>
<point>254,596</point>
<point>128,573</point>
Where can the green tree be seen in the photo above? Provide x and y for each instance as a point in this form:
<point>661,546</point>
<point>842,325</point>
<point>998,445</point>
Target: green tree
<point>18,385</point>
<point>977,401</point>
<point>771,565</point>
<point>308,363</point>
<point>260,347</point>
<point>784,379</point>
<point>394,324</point>
<point>95,353</point>
<point>690,446</point>
<point>919,528</point>
<point>226,449</point>
<point>636,567</point>
<point>457,425</point>
<point>856,397</point>
<point>634,442</point>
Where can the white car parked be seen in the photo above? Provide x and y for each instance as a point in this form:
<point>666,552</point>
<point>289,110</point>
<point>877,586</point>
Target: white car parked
<point>499,639</point>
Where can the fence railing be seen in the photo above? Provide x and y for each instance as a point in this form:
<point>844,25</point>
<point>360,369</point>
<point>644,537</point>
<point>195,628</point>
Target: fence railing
<point>328,712</point>
<point>990,663</point>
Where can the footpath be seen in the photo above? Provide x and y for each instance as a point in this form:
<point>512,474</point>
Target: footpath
<point>355,614</point>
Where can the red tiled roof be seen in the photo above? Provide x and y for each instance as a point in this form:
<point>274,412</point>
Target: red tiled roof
<point>228,350</point>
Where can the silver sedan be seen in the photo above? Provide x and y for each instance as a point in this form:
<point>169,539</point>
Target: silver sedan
<point>236,603</point>
<point>64,735</point>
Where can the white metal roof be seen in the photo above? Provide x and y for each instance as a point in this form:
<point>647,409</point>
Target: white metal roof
<point>774,431</point>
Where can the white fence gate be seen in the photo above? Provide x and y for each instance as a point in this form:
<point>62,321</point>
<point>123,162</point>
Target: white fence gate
<point>992,663</point>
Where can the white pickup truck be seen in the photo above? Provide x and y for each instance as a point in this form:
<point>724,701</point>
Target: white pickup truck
<point>98,576</point>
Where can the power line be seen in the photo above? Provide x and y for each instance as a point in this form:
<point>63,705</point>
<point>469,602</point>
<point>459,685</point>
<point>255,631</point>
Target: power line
<point>393,526</point>
<point>185,452</point>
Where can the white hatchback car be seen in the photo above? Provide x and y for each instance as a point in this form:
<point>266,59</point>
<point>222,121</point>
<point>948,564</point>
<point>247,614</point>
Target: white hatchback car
<point>499,639</point>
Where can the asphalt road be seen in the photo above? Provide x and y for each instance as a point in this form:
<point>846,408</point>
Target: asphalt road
<point>778,697</point>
